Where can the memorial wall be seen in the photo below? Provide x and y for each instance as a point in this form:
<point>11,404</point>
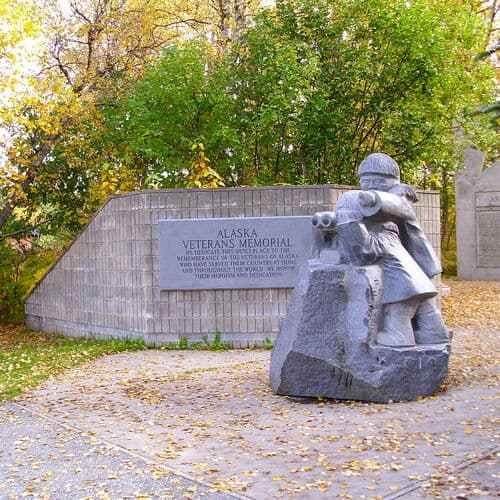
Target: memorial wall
<point>166,264</point>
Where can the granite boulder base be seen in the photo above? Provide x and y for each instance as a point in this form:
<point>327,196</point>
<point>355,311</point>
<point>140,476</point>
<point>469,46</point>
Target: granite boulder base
<point>327,348</point>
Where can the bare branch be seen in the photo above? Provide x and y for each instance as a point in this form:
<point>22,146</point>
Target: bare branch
<point>25,230</point>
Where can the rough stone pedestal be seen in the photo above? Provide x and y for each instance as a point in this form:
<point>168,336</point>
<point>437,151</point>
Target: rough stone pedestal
<point>327,343</point>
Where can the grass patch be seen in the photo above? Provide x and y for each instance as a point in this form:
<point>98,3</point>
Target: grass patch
<point>217,344</point>
<point>449,256</point>
<point>28,358</point>
<point>268,343</point>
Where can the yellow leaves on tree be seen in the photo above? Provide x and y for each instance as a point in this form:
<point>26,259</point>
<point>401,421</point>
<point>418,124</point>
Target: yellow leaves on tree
<point>33,110</point>
<point>32,120</point>
<point>112,179</point>
<point>60,60</point>
<point>201,174</point>
<point>54,61</point>
<point>92,41</point>
<point>18,24</point>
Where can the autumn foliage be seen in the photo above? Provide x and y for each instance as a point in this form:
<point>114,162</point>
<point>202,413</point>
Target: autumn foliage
<point>100,97</point>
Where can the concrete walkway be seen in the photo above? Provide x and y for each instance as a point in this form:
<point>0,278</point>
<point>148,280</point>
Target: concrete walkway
<point>197,424</point>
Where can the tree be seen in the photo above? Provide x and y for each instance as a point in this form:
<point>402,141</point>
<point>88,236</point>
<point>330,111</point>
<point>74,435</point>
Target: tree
<point>30,107</point>
<point>61,61</point>
<point>313,87</point>
<point>89,50</point>
<point>232,19</point>
<point>179,103</point>
<point>387,76</point>
<point>489,9</point>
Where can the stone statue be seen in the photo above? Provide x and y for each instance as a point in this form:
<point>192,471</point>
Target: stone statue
<point>372,245</point>
<point>378,225</point>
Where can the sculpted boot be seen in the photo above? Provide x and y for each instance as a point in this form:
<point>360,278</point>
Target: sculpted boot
<point>397,328</point>
<point>429,326</point>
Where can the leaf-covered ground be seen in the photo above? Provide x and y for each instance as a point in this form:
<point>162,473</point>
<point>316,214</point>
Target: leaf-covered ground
<point>472,304</point>
<point>28,358</point>
<point>212,417</point>
<point>472,311</point>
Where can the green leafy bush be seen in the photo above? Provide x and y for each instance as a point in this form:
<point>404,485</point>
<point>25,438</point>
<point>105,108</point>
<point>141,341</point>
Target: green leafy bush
<point>10,289</point>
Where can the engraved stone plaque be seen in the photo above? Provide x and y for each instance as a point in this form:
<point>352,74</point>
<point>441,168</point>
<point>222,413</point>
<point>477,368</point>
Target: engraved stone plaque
<point>250,252</point>
<point>488,231</point>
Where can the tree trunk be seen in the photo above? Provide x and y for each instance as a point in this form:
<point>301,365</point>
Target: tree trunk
<point>232,19</point>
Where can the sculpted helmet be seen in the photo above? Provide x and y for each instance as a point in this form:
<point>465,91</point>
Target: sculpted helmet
<point>379,163</point>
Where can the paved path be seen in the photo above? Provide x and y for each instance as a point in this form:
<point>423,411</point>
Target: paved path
<point>197,424</point>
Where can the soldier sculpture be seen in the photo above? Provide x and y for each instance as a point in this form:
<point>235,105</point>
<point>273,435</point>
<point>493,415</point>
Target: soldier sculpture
<point>378,225</point>
<point>362,322</point>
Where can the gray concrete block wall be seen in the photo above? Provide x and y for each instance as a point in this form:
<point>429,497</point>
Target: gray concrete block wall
<point>107,283</point>
<point>428,213</point>
<point>243,316</point>
<point>101,286</point>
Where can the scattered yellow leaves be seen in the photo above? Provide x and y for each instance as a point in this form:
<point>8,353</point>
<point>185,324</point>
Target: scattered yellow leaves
<point>395,466</point>
<point>472,304</point>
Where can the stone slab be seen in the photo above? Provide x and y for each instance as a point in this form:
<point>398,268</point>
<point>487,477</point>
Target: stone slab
<point>229,253</point>
<point>477,195</point>
<point>326,346</point>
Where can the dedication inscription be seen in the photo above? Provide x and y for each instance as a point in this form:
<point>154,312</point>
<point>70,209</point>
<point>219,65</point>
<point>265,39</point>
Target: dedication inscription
<point>250,252</point>
<point>488,226</point>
